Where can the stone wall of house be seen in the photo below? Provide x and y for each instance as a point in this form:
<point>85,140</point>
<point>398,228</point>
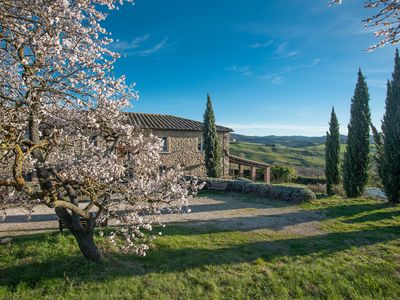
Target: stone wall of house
<point>183,150</point>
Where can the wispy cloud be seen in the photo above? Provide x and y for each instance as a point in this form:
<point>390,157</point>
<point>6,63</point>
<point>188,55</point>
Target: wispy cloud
<point>139,46</point>
<point>381,84</point>
<point>243,70</point>
<point>261,45</point>
<point>129,45</point>
<point>281,48</point>
<point>278,78</point>
<point>280,129</point>
<point>292,68</point>
<point>156,48</point>
<point>273,126</point>
<point>283,51</point>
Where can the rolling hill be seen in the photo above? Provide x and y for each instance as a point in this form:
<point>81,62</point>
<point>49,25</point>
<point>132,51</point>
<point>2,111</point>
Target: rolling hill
<point>309,160</point>
<point>290,141</point>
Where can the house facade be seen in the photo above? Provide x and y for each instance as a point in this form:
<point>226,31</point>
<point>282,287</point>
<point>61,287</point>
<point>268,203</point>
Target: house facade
<point>183,141</point>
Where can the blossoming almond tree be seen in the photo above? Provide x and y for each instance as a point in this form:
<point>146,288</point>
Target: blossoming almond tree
<point>61,121</point>
<point>386,20</point>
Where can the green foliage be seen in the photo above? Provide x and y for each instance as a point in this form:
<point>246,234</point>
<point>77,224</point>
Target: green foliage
<point>388,143</point>
<point>356,159</point>
<point>212,149</point>
<point>310,180</point>
<point>332,154</point>
<point>286,193</point>
<point>283,174</point>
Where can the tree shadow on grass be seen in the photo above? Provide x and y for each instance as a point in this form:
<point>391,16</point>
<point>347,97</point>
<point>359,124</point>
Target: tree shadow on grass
<point>276,220</point>
<point>377,216</point>
<point>164,259</point>
<point>348,210</point>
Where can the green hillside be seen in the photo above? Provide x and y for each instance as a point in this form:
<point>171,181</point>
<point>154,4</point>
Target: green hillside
<point>310,156</point>
<point>308,160</point>
<point>303,158</point>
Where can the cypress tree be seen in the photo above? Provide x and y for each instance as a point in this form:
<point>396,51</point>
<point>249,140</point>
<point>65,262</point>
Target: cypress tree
<point>332,152</point>
<point>356,161</point>
<point>212,150</point>
<point>389,160</point>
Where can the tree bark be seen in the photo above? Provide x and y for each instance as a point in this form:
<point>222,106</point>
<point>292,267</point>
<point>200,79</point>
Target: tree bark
<point>87,245</point>
<point>82,234</point>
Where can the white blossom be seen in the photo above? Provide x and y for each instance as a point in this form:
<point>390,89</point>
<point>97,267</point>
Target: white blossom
<point>62,121</point>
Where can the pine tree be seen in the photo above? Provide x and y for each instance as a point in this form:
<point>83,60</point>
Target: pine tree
<point>332,152</point>
<point>356,161</point>
<point>389,160</point>
<point>212,148</point>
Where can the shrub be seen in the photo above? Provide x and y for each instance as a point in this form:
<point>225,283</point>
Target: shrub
<point>244,179</point>
<point>286,193</point>
<point>317,188</point>
<point>283,174</point>
<point>310,180</point>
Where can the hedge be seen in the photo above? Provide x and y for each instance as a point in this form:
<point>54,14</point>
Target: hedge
<point>286,193</point>
<point>310,180</point>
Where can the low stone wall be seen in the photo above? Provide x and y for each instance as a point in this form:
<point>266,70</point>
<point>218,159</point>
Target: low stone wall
<point>285,193</point>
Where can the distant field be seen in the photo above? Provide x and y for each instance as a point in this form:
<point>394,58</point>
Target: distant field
<point>308,160</point>
<point>310,156</point>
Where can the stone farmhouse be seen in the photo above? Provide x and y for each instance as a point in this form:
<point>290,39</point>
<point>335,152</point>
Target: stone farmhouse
<point>183,141</point>
<point>184,145</point>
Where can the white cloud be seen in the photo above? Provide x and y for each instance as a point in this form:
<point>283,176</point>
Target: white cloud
<point>129,45</point>
<point>156,48</point>
<point>243,70</point>
<point>281,48</point>
<point>381,84</point>
<point>282,51</point>
<point>278,126</point>
<point>261,45</point>
<point>278,77</point>
<point>137,46</point>
<point>279,129</point>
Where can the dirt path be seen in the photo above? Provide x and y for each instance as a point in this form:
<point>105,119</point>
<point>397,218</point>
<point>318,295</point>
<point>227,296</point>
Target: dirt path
<point>230,211</point>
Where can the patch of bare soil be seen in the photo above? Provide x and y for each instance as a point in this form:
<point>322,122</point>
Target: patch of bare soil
<point>228,212</point>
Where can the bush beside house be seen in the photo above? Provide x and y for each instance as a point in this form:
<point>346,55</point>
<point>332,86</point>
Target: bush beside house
<point>286,193</point>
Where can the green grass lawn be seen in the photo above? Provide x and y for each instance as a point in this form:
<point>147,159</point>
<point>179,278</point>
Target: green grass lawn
<point>357,256</point>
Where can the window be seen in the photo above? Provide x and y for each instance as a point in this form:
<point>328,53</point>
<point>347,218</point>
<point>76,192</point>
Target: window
<point>165,147</point>
<point>200,144</point>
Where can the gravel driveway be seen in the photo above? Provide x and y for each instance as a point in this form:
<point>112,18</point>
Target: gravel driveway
<point>226,211</point>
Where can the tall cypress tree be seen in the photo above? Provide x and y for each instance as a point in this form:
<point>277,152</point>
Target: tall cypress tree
<point>212,148</point>
<point>389,160</point>
<point>356,161</point>
<point>332,152</point>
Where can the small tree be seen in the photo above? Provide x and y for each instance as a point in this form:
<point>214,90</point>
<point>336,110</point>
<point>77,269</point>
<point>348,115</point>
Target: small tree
<point>332,154</point>
<point>283,174</point>
<point>356,161</point>
<point>61,120</point>
<point>388,142</point>
<point>212,149</point>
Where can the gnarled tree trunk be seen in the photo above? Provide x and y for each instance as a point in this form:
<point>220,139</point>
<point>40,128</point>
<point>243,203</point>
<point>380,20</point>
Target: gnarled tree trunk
<point>82,234</point>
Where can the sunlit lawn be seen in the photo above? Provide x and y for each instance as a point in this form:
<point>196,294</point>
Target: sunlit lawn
<point>357,256</point>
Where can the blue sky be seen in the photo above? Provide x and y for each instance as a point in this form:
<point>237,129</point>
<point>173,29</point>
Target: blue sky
<point>271,67</point>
